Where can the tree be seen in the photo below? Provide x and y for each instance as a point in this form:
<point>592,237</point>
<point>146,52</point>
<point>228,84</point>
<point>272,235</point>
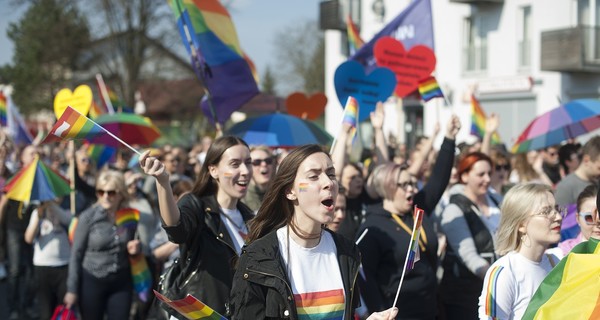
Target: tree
<point>268,82</point>
<point>300,58</point>
<point>47,42</point>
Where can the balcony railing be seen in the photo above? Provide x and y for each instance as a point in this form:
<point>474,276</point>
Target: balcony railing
<point>574,49</point>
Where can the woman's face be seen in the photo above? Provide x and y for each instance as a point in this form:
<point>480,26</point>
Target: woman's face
<point>234,172</point>
<point>339,213</point>
<point>500,172</point>
<point>403,196</point>
<point>477,180</point>
<point>353,181</point>
<point>314,191</point>
<point>263,167</point>
<point>543,224</point>
<point>108,195</point>
<point>587,211</point>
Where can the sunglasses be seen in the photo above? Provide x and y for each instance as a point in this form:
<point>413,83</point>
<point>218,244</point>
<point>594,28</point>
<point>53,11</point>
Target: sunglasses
<point>502,167</point>
<point>111,193</point>
<point>267,161</point>
<point>588,217</point>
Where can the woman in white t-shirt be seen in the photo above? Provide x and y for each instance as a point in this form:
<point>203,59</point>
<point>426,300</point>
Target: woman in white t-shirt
<point>292,266</point>
<point>530,223</point>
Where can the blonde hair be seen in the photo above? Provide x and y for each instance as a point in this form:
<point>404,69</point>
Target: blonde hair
<point>116,178</point>
<point>385,179</point>
<point>517,207</point>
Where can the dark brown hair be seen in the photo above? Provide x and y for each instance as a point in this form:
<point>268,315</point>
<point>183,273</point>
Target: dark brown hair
<point>276,209</point>
<point>205,184</point>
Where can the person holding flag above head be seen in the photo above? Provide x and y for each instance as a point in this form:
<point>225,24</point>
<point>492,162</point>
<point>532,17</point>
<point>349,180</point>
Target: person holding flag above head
<point>385,247</point>
<point>293,267</point>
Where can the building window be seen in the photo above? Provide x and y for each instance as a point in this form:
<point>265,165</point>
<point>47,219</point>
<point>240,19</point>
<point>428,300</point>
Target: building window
<point>525,37</point>
<point>475,46</point>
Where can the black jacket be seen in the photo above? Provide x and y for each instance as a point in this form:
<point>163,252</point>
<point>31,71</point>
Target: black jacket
<point>207,250</point>
<point>261,288</point>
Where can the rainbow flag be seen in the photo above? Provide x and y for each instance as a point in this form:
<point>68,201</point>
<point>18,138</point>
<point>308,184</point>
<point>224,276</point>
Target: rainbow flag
<point>354,40</point>
<point>191,308</point>
<point>127,218</point>
<point>73,125</point>
<point>572,289</point>
<point>351,115</point>
<point>101,154</point>
<point>216,55</point>
<point>478,119</point>
<point>2,109</point>
<point>413,254</point>
<point>72,228</point>
<point>320,305</point>
<point>429,89</point>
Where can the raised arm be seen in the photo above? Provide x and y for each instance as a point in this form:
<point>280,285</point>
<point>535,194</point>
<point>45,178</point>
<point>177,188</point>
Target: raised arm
<point>338,153</point>
<point>381,148</point>
<point>423,152</point>
<point>491,126</point>
<point>167,205</point>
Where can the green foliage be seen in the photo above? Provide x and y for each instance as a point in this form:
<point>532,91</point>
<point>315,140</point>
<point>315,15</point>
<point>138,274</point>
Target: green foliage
<point>48,40</point>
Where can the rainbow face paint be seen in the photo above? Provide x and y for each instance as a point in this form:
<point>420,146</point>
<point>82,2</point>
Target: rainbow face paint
<point>303,187</point>
<point>227,175</point>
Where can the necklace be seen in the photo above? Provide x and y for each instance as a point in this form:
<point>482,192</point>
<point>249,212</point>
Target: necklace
<point>304,235</point>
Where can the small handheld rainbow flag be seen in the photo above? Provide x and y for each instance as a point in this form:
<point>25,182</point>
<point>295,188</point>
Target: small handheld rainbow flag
<point>354,39</point>
<point>351,115</point>
<point>478,119</point>
<point>191,308</point>
<point>73,125</point>
<point>2,109</point>
<point>413,254</point>
<point>429,89</point>
<point>127,219</point>
<point>72,228</point>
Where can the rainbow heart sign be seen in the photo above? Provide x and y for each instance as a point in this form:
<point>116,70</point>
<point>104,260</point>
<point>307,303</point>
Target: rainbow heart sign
<point>80,100</point>
<point>350,80</point>
<point>301,106</point>
<point>410,67</point>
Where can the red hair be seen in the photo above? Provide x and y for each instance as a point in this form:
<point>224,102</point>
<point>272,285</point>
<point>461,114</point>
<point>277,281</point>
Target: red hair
<point>467,162</point>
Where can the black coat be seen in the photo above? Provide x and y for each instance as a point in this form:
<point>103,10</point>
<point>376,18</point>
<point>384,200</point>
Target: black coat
<point>262,290</point>
<point>207,250</point>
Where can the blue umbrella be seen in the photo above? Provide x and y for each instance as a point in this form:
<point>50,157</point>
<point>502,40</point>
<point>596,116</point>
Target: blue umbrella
<point>280,130</point>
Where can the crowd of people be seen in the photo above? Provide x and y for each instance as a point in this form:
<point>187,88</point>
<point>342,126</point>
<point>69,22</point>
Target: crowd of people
<point>304,233</point>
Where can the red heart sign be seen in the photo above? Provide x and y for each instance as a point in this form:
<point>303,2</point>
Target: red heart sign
<point>299,105</point>
<point>410,67</point>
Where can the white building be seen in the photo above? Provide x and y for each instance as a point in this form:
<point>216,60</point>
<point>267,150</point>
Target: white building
<point>520,58</point>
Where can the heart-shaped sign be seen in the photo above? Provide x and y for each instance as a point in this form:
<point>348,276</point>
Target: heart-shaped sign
<point>301,106</point>
<point>410,67</point>
<point>350,80</point>
<point>80,100</point>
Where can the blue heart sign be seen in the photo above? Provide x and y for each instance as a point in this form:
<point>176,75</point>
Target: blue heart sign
<point>350,80</point>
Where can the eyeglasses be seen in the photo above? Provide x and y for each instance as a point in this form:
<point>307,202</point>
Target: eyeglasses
<point>589,217</point>
<point>110,193</point>
<point>404,185</point>
<point>502,167</point>
<point>267,161</point>
<point>550,211</point>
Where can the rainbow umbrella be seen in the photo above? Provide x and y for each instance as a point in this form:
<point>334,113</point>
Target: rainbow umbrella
<point>131,128</point>
<point>36,181</point>
<point>567,121</point>
<point>280,130</point>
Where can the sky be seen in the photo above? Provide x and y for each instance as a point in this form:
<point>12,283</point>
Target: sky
<point>257,22</point>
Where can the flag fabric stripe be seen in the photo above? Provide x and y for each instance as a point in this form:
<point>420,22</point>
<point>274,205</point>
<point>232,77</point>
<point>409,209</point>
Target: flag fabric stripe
<point>413,254</point>
<point>354,40</point>
<point>74,125</point>
<point>20,187</point>
<point>429,89</point>
<point>350,116</point>
<point>101,154</point>
<point>2,109</point>
<point>227,72</point>
<point>320,305</point>
<point>573,282</point>
<point>478,119</point>
<point>191,308</point>
<point>17,129</point>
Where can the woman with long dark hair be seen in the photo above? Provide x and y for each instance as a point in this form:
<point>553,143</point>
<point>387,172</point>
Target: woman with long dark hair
<point>292,266</point>
<point>209,223</point>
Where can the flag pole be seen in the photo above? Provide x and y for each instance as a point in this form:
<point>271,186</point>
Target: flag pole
<point>104,93</point>
<point>362,235</point>
<point>412,236</point>
<point>72,173</point>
